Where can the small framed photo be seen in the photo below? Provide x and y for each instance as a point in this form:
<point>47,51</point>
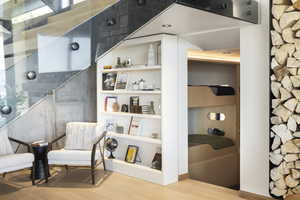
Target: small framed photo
<point>109,103</point>
<point>122,79</point>
<point>109,81</point>
<point>131,154</point>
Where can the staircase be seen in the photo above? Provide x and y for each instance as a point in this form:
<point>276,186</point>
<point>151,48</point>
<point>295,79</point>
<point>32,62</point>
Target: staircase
<point>23,51</point>
<point>39,57</point>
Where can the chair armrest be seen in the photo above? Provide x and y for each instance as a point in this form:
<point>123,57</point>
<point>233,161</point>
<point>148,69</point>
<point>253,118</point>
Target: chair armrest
<point>97,141</point>
<point>21,143</point>
<point>100,138</point>
<point>55,140</point>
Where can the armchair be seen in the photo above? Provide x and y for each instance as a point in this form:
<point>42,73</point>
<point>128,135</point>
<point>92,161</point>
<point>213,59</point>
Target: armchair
<point>11,161</point>
<point>82,147</point>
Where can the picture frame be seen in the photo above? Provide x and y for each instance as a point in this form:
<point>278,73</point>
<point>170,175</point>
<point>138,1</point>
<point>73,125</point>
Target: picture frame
<point>157,161</point>
<point>109,103</point>
<point>134,106</point>
<point>109,81</point>
<point>131,154</point>
<point>122,81</point>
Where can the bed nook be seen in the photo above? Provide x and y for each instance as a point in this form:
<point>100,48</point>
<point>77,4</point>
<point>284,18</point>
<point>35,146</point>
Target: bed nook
<point>213,104</point>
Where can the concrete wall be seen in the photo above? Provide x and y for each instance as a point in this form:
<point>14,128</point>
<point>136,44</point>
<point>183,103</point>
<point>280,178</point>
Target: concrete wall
<point>74,101</point>
<point>254,73</point>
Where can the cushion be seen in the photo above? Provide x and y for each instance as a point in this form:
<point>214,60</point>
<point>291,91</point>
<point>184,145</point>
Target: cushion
<point>81,136</point>
<point>5,146</point>
<point>71,157</point>
<point>16,161</point>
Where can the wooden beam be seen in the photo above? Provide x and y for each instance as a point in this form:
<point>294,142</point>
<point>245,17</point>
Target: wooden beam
<point>203,96</point>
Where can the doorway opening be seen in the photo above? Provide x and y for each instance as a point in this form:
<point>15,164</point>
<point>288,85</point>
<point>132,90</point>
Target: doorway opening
<point>214,116</point>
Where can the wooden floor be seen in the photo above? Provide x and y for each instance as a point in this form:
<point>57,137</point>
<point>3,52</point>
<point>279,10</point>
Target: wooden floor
<point>75,185</point>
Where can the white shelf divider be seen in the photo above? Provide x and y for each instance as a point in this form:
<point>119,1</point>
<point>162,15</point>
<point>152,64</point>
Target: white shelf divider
<point>135,170</point>
<point>133,137</point>
<point>132,115</point>
<point>133,69</point>
<point>155,92</point>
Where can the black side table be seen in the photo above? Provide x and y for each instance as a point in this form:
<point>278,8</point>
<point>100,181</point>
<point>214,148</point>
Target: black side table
<point>40,150</point>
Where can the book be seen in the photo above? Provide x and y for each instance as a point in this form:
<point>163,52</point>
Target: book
<point>134,126</point>
<point>122,79</point>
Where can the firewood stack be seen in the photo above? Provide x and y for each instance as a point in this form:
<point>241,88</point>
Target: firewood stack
<point>285,88</point>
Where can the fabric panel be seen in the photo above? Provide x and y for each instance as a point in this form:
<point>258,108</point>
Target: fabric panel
<point>72,155</point>
<point>5,145</point>
<point>80,136</point>
<point>16,160</point>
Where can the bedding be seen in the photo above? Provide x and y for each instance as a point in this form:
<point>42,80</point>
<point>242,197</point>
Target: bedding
<point>216,142</point>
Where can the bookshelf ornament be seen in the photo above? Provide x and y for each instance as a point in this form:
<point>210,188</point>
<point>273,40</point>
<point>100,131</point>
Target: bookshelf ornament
<point>111,145</point>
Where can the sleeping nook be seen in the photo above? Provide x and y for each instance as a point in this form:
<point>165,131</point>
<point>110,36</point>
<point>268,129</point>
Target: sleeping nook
<point>213,117</point>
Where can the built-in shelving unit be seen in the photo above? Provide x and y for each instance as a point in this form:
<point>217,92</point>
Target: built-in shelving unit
<point>137,138</point>
<point>135,170</point>
<point>132,115</point>
<point>131,92</point>
<point>157,131</point>
<point>196,100</point>
<point>134,69</point>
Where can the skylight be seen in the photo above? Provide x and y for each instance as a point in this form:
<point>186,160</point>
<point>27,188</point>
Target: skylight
<point>32,14</point>
<point>38,12</point>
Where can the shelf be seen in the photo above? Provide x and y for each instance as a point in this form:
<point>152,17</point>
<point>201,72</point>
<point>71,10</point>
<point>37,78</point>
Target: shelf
<point>196,100</point>
<point>137,138</point>
<point>135,170</point>
<point>132,69</point>
<point>132,115</point>
<point>155,92</point>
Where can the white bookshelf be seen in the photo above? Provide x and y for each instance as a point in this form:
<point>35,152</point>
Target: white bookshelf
<point>149,116</point>
<point>133,137</point>
<point>134,69</point>
<point>131,92</point>
<point>165,120</point>
<point>135,170</point>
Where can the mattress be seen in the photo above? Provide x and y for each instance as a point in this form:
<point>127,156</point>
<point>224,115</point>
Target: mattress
<point>216,142</point>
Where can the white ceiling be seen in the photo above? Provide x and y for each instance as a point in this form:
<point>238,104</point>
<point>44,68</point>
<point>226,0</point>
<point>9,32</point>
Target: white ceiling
<point>222,39</point>
<point>204,29</point>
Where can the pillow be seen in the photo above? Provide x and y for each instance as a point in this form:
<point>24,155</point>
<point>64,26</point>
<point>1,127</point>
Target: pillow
<point>81,136</point>
<point>5,146</point>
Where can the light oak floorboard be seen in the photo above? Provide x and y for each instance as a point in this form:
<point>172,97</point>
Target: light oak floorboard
<point>76,185</point>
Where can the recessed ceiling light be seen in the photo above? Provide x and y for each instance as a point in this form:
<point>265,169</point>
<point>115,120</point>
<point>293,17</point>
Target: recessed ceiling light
<point>166,25</point>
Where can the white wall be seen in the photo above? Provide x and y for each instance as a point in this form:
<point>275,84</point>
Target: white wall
<point>255,105</point>
<point>183,47</point>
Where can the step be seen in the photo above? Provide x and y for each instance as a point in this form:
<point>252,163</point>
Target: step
<point>86,6</point>
<point>60,25</point>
